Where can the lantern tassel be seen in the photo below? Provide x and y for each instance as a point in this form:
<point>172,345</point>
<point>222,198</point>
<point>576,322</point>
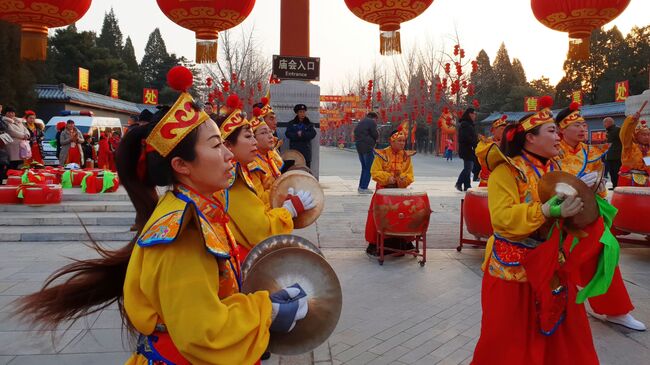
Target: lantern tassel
<point>33,43</point>
<point>389,43</point>
<point>206,51</point>
<point>579,49</point>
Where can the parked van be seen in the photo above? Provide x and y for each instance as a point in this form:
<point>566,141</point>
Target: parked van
<point>85,121</point>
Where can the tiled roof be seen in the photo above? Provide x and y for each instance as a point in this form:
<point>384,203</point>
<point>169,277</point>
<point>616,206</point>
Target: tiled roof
<point>64,93</point>
<point>588,111</point>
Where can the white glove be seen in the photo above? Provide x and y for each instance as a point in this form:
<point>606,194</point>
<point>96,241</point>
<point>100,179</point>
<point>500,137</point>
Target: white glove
<point>602,186</point>
<point>590,179</point>
<point>556,208</point>
<point>288,306</point>
<point>298,202</point>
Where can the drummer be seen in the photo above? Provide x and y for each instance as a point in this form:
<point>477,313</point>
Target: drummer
<point>177,283</point>
<point>635,138</point>
<point>251,220</point>
<point>576,157</point>
<point>514,330</point>
<point>391,169</point>
<point>264,169</point>
<point>585,161</point>
<point>484,145</point>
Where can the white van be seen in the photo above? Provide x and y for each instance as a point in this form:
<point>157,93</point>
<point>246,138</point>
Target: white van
<point>85,121</point>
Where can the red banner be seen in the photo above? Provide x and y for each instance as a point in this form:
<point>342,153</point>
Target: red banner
<point>622,91</point>
<point>598,137</point>
<point>150,96</point>
<point>530,104</point>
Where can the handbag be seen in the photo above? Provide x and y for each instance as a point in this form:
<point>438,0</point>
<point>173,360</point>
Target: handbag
<point>24,149</point>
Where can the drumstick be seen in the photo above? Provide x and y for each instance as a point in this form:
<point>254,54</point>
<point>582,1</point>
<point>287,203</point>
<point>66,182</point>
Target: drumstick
<point>642,106</point>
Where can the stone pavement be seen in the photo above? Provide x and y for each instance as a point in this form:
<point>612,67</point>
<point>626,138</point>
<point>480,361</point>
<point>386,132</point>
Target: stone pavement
<point>398,313</point>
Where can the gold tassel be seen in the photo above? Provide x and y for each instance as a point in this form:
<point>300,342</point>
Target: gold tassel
<point>389,43</point>
<point>206,51</point>
<point>579,49</point>
<point>33,43</point>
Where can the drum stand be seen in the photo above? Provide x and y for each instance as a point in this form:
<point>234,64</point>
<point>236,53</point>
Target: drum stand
<point>461,239</point>
<point>422,237</point>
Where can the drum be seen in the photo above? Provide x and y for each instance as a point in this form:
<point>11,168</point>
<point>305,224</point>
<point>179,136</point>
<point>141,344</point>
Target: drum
<point>14,180</point>
<point>9,194</point>
<point>476,213</point>
<point>633,204</point>
<point>42,194</point>
<point>401,212</point>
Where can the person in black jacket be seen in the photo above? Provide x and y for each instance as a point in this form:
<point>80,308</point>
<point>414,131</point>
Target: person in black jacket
<point>365,139</point>
<point>467,140</point>
<point>613,156</point>
<point>300,132</point>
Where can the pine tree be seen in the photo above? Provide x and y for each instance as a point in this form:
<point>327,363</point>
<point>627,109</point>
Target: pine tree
<point>128,55</point>
<point>503,73</point>
<point>638,45</point>
<point>111,35</point>
<point>155,65</point>
<point>485,82</point>
<point>518,72</point>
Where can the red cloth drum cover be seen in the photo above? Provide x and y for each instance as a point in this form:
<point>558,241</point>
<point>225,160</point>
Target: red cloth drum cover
<point>42,194</point>
<point>633,204</point>
<point>9,194</point>
<point>476,213</point>
<point>401,212</point>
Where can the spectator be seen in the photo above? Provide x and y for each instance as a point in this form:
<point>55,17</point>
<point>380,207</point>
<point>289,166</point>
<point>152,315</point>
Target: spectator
<point>300,132</point>
<point>60,126</point>
<point>449,150</point>
<point>88,148</point>
<point>365,137</point>
<point>104,156</point>
<point>467,140</point>
<point>613,156</point>
<point>20,135</point>
<point>35,137</point>
<point>71,139</point>
<point>4,156</point>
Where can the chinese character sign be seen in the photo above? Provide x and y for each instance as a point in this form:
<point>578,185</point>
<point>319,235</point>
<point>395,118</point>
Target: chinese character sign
<point>150,96</point>
<point>114,89</point>
<point>576,96</point>
<point>530,104</point>
<point>598,137</point>
<point>84,79</point>
<point>622,91</point>
<point>296,68</point>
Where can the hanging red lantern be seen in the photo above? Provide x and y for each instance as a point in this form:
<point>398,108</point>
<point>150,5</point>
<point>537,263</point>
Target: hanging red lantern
<point>35,17</point>
<point>388,14</point>
<point>578,18</point>
<point>206,18</point>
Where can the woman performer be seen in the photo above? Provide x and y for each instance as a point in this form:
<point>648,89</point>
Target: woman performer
<point>177,283</point>
<point>251,221</point>
<point>264,169</point>
<point>105,154</point>
<point>484,145</point>
<point>392,169</point>
<point>35,137</point>
<point>525,321</point>
<point>635,137</point>
<point>585,161</point>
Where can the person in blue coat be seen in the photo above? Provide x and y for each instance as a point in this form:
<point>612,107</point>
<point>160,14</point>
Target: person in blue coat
<point>300,132</point>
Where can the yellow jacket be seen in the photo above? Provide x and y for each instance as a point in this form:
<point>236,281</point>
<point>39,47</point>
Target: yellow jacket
<point>251,220</point>
<point>515,207</point>
<point>582,159</point>
<point>631,155</point>
<point>389,164</point>
<point>183,274</point>
<point>481,151</point>
<point>264,171</point>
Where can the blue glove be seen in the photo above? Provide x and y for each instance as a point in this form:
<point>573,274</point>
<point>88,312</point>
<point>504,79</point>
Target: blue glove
<point>289,305</point>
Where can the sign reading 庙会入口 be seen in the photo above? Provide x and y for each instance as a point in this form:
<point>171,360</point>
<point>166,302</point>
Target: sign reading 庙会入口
<point>296,68</point>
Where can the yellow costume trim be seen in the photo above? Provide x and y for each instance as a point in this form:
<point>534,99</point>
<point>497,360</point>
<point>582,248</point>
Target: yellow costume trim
<point>573,117</point>
<point>392,164</point>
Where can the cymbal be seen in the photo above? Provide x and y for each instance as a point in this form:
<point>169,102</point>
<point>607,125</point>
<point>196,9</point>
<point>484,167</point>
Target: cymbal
<point>274,243</point>
<point>589,213</point>
<point>298,180</point>
<point>300,168</point>
<point>294,155</point>
<point>285,267</point>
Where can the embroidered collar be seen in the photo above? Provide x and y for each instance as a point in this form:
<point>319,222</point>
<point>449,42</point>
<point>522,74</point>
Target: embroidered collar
<point>212,209</point>
<point>534,162</point>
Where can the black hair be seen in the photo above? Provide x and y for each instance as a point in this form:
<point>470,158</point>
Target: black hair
<point>563,114</point>
<point>516,145</point>
<point>9,109</point>
<point>466,114</point>
<point>232,138</point>
<point>372,115</point>
<point>70,121</point>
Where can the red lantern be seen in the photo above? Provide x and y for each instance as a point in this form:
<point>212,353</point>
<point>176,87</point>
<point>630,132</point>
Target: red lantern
<point>388,14</point>
<point>578,18</point>
<point>35,18</point>
<point>206,18</point>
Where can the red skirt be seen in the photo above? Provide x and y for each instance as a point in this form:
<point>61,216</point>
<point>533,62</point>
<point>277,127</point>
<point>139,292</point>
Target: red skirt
<point>36,154</point>
<point>74,155</point>
<point>510,330</point>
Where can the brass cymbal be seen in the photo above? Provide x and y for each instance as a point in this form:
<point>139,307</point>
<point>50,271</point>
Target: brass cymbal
<point>285,267</point>
<point>274,243</point>
<point>294,155</point>
<point>589,213</point>
<point>299,180</point>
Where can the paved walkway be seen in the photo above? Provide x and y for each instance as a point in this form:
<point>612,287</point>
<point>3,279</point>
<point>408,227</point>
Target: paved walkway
<point>398,313</point>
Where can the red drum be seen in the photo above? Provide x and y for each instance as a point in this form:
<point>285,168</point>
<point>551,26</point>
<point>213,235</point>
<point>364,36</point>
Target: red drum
<point>77,177</point>
<point>14,180</point>
<point>633,204</point>
<point>401,212</point>
<point>9,194</point>
<point>42,194</point>
<point>476,213</point>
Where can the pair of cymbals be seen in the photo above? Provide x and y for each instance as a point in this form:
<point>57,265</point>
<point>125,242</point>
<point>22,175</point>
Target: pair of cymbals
<point>294,155</point>
<point>282,261</point>
<point>298,180</point>
<point>548,188</point>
